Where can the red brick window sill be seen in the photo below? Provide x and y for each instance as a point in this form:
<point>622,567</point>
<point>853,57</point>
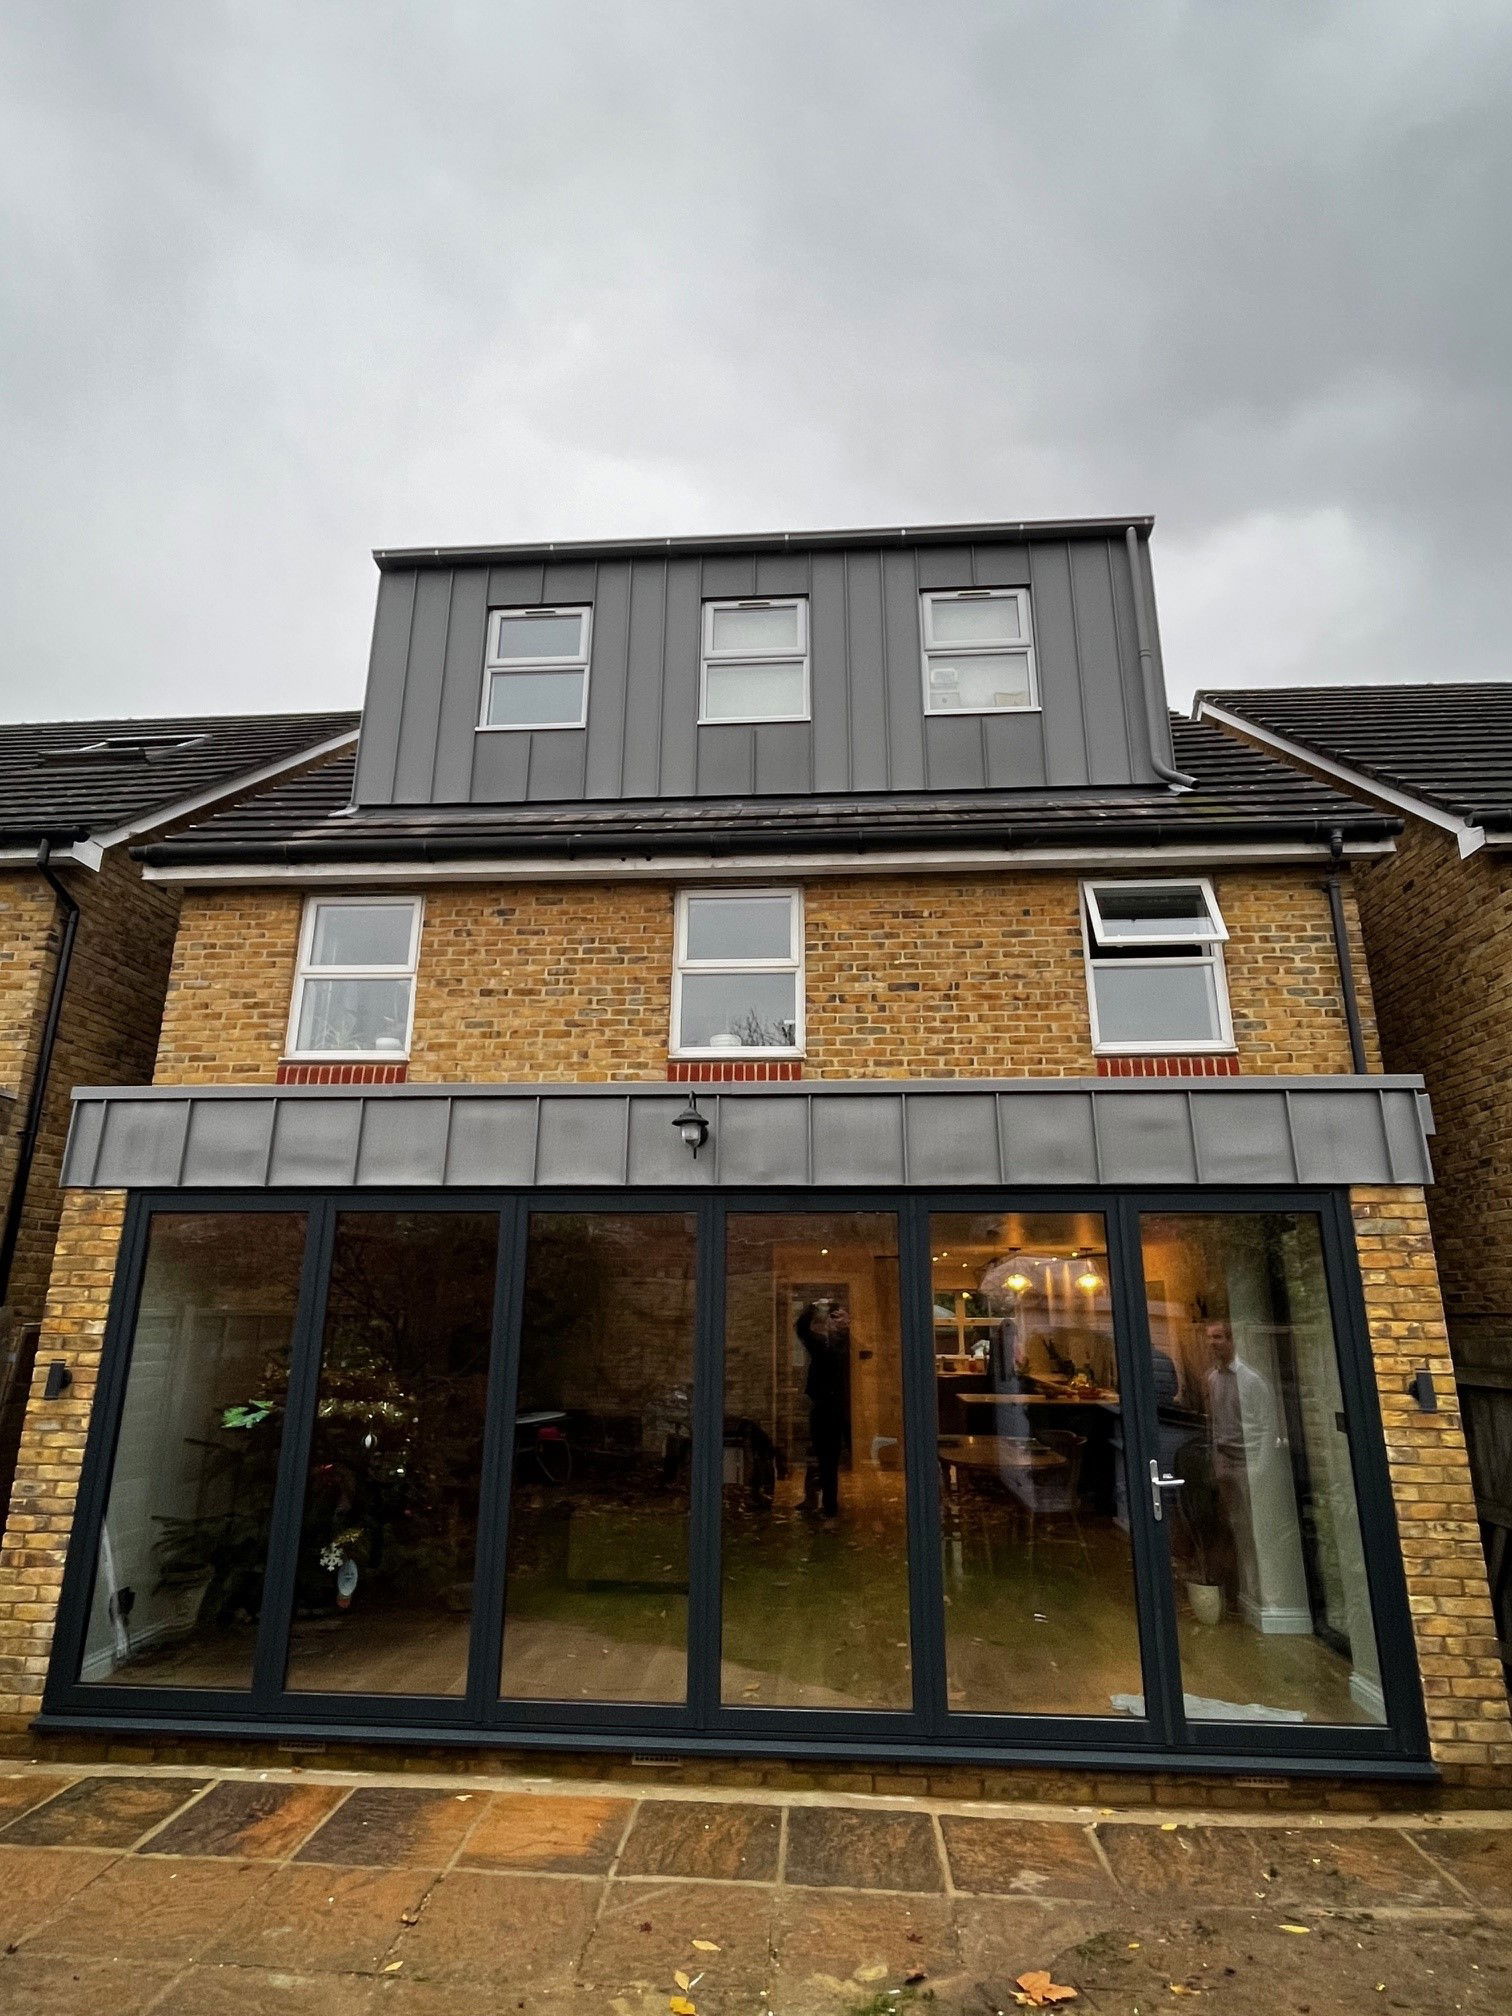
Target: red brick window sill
<point>715,1071</point>
<point>342,1074</point>
<point>1205,1064</point>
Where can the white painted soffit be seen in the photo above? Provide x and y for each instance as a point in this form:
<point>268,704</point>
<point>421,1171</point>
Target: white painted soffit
<point>1470,838</point>
<point>741,867</point>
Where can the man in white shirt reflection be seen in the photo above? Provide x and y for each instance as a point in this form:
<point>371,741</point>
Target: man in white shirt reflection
<point>1244,1433</point>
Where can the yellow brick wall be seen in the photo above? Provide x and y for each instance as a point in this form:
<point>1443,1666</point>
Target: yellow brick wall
<point>1469,1728</point>
<point>1439,931</point>
<point>908,975</point>
<point>52,1447</point>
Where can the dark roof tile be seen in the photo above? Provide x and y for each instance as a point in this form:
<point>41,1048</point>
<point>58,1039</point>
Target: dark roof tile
<point>1450,745</point>
<point>1241,794</point>
<point>58,783</point>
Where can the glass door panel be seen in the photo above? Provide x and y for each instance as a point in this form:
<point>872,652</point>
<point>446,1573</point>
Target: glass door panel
<point>383,1589</point>
<point>184,1544</point>
<point>1273,1608</point>
<point>815,1530</point>
<point>596,1604</point>
<point>1038,1571</point>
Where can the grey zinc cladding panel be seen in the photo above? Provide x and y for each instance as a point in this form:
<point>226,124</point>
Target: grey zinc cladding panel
<point>868,730</point>
<point>860,1134</point>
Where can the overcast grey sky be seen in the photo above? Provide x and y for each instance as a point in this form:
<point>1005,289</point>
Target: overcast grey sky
<point>280,283</point>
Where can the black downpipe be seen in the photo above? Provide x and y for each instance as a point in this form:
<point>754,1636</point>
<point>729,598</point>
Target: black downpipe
<point>15,1208</point>
<point>1335,890</point>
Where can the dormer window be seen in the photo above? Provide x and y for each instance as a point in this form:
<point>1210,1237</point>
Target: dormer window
<point>536,672</point>
<point>978,651</point>
<point>755,660</point>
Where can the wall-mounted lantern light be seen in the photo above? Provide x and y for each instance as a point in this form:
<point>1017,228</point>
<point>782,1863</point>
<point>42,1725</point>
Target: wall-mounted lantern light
<point>1420,1386</point>
<point>692,1126</point>
<point>59,1379</point>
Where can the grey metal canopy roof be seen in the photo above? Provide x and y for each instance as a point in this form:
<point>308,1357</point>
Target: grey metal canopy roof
<point>1004,1132</point>
<point>1450,745</point>
<point>65,781</point>
<point>1241,795</point>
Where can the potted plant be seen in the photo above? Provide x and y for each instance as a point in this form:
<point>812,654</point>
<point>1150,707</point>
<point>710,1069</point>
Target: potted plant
<point>1201,1515</point>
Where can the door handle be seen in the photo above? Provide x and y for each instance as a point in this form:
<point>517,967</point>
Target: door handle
<point>1159,1485</point>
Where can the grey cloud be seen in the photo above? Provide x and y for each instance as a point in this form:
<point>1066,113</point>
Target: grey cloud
<point>281,283</point>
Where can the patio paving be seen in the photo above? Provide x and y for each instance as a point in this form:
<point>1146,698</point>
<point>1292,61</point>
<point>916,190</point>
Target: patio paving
<point>160,1893</point>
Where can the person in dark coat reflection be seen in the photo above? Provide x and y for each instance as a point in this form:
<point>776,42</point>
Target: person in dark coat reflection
<point>824,1332</point>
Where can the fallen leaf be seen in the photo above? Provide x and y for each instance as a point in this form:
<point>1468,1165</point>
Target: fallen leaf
<point>1134,1945</point>
<point>1180,1988</point>
<point>681,2006</point>
<point>1296,1928</point>
<point>682,1980</point>
<point>1169,1826</point>
<point>706,1945</point>
<point>1035,1990</point>
<point>913,1980</point>
<point>393,1967</point>
<point>874,1972</point>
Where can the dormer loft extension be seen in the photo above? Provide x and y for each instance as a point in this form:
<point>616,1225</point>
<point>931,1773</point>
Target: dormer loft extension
<point>995,657</point>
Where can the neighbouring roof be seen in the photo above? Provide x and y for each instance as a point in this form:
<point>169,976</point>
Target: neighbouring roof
<point>1449,746</point>
<point>1241,795</point>
<point>66,781</point>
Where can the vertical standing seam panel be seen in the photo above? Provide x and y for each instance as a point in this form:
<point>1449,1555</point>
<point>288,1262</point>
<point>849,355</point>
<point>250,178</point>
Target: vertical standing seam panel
<point>415,765</point>
<point>388,677</point>
<point>608,678</point>
<point>461,687</point>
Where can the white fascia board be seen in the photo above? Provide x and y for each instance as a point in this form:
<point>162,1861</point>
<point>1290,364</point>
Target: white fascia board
<point>1471,838</point>
<point>742,867</point>
<point>246,780</point>
<point>82,854</point>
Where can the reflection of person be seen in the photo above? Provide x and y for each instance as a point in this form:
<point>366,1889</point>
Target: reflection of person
<point>1243,1432</point>
<point>824,1332</point>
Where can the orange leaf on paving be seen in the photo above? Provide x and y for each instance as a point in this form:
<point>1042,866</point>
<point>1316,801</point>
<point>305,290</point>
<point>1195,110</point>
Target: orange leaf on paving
<point>706,1945</point>
<point>1037,1991</point>
<point>681,2006</point>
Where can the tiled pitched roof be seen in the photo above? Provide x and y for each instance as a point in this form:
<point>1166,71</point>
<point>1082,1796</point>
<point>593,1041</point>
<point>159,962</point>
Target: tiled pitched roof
<point>1450,745</point>
<point>1240,795</point>
<point>58,783</point>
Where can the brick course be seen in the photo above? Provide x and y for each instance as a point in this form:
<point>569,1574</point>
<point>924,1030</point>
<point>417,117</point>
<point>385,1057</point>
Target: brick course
<point>908,976</point>
<point>1469,1727</point>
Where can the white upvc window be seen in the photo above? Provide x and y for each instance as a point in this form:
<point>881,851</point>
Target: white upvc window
<point>535,674</point>
<point>354,988</point>
<point>978,646</point>
<point>755,660</point>
<point>1155,978</point>
<point>737,983</point>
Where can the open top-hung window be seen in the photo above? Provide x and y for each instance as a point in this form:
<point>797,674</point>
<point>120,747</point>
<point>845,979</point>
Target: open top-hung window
<point>978,651</point>
<point>755,660</point>
<point>738,984</point>
<point>536,674</point>
<point>354,992</point>
<point>1155,966</point>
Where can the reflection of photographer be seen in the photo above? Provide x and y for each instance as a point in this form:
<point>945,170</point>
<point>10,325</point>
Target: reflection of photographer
<point>823,1329</point>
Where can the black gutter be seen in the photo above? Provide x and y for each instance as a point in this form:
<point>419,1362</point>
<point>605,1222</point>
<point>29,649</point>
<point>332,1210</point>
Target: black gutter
<point>15,1208</point>
<point>1335,889</point>
<point>577,844</point>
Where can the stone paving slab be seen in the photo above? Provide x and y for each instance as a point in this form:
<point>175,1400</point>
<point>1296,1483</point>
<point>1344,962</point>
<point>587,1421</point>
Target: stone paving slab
<point>315,1894</point>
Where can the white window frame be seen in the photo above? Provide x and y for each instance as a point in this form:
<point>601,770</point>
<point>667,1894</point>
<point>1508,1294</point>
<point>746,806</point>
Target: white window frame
<point>1212,938</point>
<point>304,970</point>
<point>682,964</point>
<point>496,666</point>
<point>929,647</point>
<point>709,656</point>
